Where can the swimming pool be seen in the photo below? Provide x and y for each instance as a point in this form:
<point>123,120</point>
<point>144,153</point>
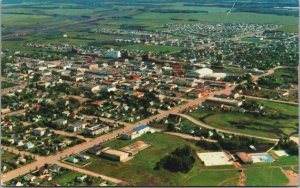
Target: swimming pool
<point>261,157</point>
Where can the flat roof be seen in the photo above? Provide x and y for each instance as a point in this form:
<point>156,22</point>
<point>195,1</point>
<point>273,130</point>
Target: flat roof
<point>115,152</point>
<point>214,158</point>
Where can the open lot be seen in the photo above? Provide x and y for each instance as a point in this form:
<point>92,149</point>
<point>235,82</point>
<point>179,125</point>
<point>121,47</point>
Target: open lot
<point>265,177</point>
<point>262,126</point>
<point>141,166</point>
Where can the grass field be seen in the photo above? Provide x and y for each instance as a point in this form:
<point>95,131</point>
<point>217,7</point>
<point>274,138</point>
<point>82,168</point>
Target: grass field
<point>141,166</point>
<point>210,178</point>
<point>257,126</point>
<point>252,40</point>
<point>265,177</point>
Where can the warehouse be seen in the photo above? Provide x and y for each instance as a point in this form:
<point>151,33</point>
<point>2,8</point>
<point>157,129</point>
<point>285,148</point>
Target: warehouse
<point>114,154</point>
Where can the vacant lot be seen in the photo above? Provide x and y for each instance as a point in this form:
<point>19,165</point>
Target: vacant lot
<point>247,123</point>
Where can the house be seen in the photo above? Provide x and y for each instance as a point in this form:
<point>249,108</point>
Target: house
<point>78,126</point>
<point>43,171</point>
<point>113,154</point>
<point>19,184</point>
<point>72,160</point>
<point>60,122</point>
<point>5,110</point>
<point>54,168</point>
<point>81,178</point>
<point>83,157</point>
<point>39,131</point>
<point>19,142</point>
<point>98,129</point>
<point>96,150</point>
<point>174,118</point>
<point>29,177</point>
<point>29,145</point>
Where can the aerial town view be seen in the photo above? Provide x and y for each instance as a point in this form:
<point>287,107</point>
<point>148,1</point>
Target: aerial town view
<point>149,93</point>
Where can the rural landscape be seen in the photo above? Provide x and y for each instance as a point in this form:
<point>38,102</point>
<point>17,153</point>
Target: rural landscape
<point>149,93</point>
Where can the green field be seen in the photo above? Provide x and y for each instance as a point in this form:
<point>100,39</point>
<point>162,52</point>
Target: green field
<point>252,40</point>
<point>262,126</point>
<point>265,177</point>
<point>224,178</point>
<point>141,166</point>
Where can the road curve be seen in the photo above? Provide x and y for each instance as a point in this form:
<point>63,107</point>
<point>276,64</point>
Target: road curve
<point>223,130</point>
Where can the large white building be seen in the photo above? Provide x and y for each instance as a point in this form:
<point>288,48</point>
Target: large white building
<point>200,73</point>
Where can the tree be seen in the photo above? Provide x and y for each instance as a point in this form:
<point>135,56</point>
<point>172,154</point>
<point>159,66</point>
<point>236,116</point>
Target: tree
<point>180,160</point>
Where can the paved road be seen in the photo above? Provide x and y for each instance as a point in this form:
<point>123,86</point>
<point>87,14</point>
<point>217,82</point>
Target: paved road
<point>223,130</point>
<point>65,133</point>
<point>269,72</point>
<point>189,137</point>
<point>271,100</point>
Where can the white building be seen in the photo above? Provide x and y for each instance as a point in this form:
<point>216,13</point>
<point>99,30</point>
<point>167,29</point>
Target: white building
<point>200,73</point>
<point>136,132</point>
<point>113,54</point>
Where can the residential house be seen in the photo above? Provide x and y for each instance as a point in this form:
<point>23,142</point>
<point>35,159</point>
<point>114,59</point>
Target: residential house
<point>39,131</point>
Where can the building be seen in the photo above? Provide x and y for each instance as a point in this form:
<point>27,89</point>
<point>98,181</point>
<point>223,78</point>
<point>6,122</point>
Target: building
<point>136,132</point>
<point>72,160</point>
<point>200,73</point>
<point>98,129</point>
<point>113,54</point>
<point>60,122</point>
<point>115,155</point>
<point>216,76</point>
<point>83,157</point>
<point>214,158</point>
<point>78,126</point>
<point>39,131</point>
<point>29,145</point>
<point>244,157</point>
<point>96,150</point>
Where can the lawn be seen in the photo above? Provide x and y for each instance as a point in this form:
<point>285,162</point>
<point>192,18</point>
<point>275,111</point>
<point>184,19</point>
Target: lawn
<point>213,178</point>
<point>141,166</point>
<point>265,177</point>
<point>280,108</point>
<point>252,40</point>
<point>262,126</point>
<point>287,160</point>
